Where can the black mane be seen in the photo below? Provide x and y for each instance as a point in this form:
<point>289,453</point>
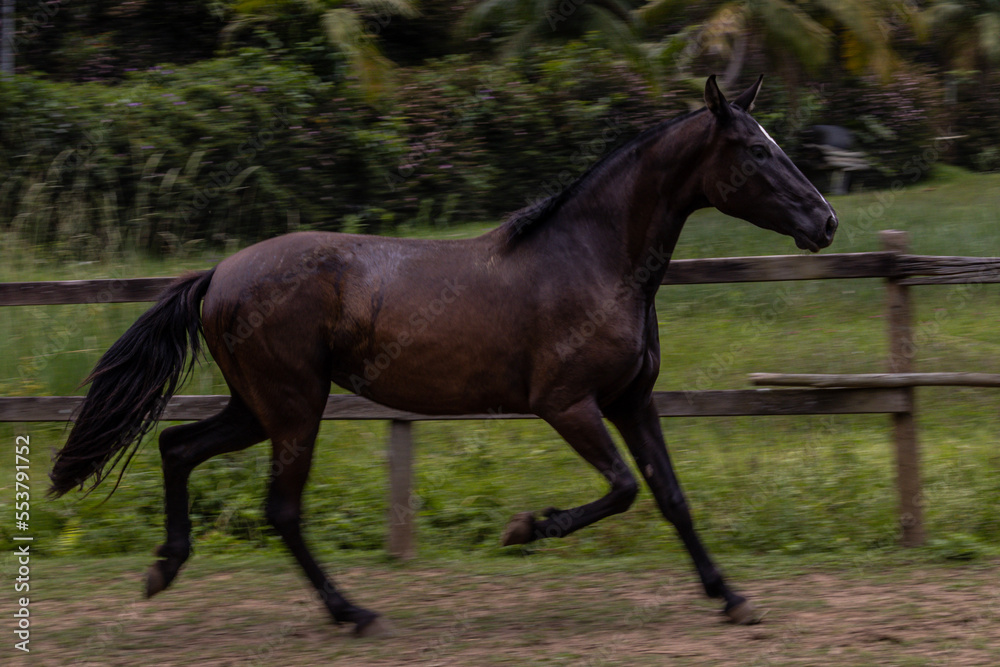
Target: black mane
<point>522,221</point>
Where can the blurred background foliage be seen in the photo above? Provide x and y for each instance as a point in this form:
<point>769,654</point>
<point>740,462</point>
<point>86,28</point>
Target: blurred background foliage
<point>148,125</point>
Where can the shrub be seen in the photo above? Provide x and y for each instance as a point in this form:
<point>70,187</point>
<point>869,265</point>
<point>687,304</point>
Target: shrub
<point>495,138</point>
<point>251,146</point>
<point>169,155</point>
<point>974,120</point>
<point>895,123</point>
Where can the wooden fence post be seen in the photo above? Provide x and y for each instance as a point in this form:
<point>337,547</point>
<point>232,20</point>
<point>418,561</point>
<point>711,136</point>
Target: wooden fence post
<point>904,428</point>
<point>402,511</point>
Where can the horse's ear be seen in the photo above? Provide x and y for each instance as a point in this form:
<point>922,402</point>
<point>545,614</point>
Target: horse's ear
<point>715,100</point>
<point>746,98</point>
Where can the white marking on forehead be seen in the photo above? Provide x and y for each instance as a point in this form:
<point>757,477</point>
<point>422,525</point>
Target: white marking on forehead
<point>765,132</point>
<point>818,193</point>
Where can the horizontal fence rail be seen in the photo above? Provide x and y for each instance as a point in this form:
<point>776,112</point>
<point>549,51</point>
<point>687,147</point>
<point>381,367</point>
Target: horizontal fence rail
<point>719,403</point>
<point>872,380</point>
<point>907,269</point>
<point>869,393</point>
<point>67,292</point>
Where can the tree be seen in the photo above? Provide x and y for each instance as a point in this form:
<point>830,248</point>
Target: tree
<point>968,32</point>
<point>796,35</point>
<point>518,24</point>
<point>968,35</point>
<point>351,27</point>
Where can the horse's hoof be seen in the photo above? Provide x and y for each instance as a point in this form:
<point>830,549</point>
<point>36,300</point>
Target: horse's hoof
<point>745,613</point>
<point>518,531</point>
<point>378,627</point>
<point>156,581</point>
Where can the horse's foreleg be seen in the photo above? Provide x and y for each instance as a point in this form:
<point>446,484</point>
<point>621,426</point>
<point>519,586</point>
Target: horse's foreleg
<point>582,428</point>
<point>182,448</point>
<point>640,427</point>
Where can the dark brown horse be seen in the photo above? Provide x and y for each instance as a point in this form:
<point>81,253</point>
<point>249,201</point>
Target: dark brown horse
<point>551,313</point>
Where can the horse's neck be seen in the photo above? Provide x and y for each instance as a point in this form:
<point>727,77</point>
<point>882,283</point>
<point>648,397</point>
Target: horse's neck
<point>645,203</point>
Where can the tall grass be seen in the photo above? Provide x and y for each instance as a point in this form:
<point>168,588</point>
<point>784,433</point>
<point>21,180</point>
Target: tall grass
<point>757,485</point>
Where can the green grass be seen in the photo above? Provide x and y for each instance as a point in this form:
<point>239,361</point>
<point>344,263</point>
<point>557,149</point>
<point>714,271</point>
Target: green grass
<point>758,486</point>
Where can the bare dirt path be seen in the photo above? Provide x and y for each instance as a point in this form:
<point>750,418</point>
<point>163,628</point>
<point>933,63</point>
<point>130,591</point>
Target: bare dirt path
<point>220,614</point>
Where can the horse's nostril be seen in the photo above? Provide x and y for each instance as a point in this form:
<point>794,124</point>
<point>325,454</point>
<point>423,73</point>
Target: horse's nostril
<point>831,226</point>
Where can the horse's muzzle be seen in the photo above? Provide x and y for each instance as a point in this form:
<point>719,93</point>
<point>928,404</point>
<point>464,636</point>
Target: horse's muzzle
<point>820,238</point>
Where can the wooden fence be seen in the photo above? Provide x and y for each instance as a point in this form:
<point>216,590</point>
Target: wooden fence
<point>887,393</point>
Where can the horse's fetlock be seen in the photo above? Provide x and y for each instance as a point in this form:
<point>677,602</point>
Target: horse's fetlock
<point>563,520</point>
<point>627,490</point>
<point>715,587</point>
<point>176,551</point>
<point>282,515</point>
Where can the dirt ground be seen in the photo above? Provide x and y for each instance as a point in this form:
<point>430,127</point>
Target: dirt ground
<point>220,614</point>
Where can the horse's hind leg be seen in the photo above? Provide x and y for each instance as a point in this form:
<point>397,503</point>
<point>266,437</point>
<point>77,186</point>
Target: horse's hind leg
<point>582,428</point>
<point>292,457</point>
<point>182,448</point>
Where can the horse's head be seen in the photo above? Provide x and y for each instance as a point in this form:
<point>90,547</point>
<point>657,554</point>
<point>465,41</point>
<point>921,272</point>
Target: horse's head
<point>750,177</point>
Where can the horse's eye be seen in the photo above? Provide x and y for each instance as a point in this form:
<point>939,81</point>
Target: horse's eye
<point>758,152</point>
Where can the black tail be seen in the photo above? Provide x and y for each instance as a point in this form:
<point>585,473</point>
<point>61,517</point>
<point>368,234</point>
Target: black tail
<point>131,384</point>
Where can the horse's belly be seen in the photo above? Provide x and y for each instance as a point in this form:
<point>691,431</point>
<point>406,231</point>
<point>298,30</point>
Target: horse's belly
<point>448,373</point>
<point>431,388</point>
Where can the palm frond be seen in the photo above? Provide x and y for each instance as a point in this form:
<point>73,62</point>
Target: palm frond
<point>658,11</point>
<point>616,9</point>
<point>945,14</point>
<point>621,38</point>
<point>522,40</point>
<point>344,29</point>
<point>490,14</point>
<point>260,7</point>
<point>912,16</point>
<point>790,29</point>
<point>722,28</point>
<point>867,40</point>
<point>988,28</point>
